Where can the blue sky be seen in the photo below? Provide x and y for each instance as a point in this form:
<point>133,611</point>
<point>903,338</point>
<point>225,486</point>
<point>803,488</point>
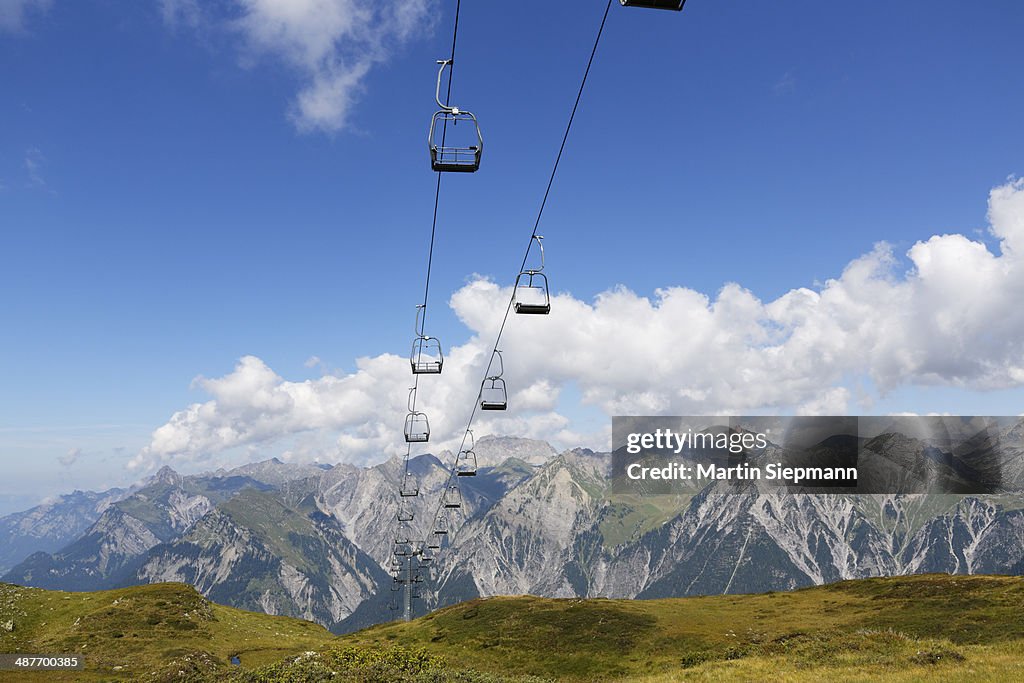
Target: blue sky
<point>167,209</point>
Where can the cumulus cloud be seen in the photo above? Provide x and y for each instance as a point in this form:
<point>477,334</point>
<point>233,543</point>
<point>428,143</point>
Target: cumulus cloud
<point>331,44</point>
<point>954,318</point>
<point>14,12</point>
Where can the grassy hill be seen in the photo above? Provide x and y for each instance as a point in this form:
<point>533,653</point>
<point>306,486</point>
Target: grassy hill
<point>145,632</point>
<point>919,628</point>
<point>932,627</point>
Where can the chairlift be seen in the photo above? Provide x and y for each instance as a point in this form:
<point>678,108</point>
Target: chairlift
<point>531,293</point>
<point>442,527</point>
<point>447,157</point>
<point>655,4</point>
<point>465,463</point>
<point>426,357</point>
<point>417,427</point>
<point>493,395</point>
<point>405,514</point>
<point>434,544</point>
<point>452,498</point>
<point>408,489</point>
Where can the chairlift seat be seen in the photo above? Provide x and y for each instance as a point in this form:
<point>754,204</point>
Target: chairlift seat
<point>655,4</point>
<point>428,367</point>
<point>532,309</point>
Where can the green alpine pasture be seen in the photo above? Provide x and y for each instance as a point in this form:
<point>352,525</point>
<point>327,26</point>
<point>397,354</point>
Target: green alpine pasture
<point>916,628</point>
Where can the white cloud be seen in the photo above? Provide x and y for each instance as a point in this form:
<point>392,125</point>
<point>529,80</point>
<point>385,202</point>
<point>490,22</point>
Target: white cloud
<point>331,44</point>
<point>181,12</point>
<point>14,12</point>
<point>953,319</point>
<point>34,163</point>
<point>785,85</point>
<point>71,457</point>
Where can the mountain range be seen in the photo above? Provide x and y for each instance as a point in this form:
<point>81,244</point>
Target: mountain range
<point>315,541</point>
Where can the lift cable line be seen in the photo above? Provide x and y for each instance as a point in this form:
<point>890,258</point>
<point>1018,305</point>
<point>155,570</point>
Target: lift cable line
<point>451,498</point>
<point>426,357</point>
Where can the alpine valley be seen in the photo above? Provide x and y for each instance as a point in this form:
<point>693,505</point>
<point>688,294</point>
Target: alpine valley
<point>314,541</point>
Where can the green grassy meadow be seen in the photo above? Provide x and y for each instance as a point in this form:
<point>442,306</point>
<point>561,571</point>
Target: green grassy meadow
<point>917,628</point>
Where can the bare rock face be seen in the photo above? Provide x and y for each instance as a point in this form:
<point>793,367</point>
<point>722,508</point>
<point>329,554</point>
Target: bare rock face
<point>52,525</point>
<point>258,552</point>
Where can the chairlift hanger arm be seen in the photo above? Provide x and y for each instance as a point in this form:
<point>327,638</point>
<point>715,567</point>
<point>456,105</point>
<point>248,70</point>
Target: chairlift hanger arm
<point>494,375</point>
<point>540,243</point>
<point>437,94</point>
<point>421,311</point>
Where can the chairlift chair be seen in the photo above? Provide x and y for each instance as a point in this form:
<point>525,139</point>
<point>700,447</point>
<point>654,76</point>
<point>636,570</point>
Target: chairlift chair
<point>655,4</point>
<point>417,427</point>
<point>405,514</point>
<point>465,463</point>
<point>426,357</point>
<point>441,529</point>
<point>493,395</point>
<point>452,498</point>
<point>531,293</point>
<point>532,296</point>
<point>447,157</point>
<point>408,489</point>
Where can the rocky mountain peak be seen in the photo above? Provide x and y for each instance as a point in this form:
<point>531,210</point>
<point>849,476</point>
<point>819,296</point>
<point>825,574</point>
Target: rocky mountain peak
<point>166,475</point>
